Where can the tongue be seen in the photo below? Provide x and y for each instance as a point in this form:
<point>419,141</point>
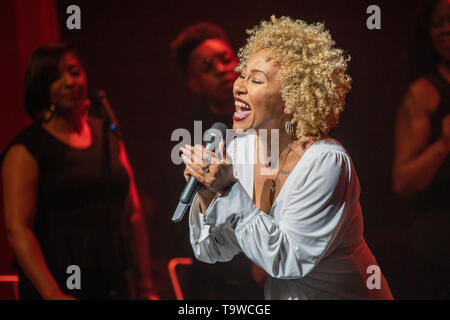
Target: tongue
<point>242,113</point>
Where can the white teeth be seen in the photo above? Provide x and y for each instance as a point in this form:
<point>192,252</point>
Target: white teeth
<point>242,105</point>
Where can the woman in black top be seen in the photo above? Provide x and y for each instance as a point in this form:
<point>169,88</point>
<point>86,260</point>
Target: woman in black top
<point>422,161</point>
<point>69,192</point>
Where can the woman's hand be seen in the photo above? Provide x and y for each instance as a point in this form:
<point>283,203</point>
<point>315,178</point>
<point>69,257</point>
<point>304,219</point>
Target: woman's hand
<point>213,173</point>
<point>203,191</point>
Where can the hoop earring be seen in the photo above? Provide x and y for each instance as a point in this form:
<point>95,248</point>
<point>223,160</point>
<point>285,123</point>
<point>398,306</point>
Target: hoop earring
<point>48,114</point>
<point>289,127</point>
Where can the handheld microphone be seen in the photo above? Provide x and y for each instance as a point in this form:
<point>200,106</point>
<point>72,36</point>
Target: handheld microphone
<point>213,137</point>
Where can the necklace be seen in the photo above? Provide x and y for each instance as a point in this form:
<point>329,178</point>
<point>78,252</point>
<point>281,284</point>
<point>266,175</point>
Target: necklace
<point>273,182</point>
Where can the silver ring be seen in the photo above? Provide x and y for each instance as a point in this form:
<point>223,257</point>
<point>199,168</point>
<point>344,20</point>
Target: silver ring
<point>205,169</point>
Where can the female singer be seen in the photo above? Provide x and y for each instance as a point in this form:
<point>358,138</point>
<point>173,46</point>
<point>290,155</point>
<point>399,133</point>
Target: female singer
<point>69,192</point>
<point>299,217</point>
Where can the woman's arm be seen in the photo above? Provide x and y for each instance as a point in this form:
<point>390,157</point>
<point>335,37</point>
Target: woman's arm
<point>20,181</point>
<point>140,236</point>
<point>291,245</point>
<point>416,160</point>
<point>204,200</point>
<point>219,175</point>
<point>210,244</point>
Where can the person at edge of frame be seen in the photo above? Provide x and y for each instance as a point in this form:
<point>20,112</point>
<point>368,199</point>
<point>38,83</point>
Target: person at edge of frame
<point>69,193</point>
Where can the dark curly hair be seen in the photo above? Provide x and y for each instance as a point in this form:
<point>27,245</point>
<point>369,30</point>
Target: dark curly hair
<point>191,37</point>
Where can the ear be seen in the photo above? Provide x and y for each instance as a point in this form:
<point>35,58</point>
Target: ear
<point>193,85</point>
<point>287,113</point>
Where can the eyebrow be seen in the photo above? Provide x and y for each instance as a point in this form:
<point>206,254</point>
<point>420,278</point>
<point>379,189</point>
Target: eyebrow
<point>257,70</point>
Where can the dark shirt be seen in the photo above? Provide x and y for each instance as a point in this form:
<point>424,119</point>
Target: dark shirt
<point>80,214</point>
<point>435,198</point>
<point>431,226</point>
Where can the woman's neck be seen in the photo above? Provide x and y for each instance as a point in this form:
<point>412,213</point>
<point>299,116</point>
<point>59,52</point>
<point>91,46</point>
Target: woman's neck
<point>444,69</point>
<point>267,146</point>
<point>67,123</point>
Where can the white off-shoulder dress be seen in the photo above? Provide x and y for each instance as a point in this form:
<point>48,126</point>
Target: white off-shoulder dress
<point>311,242</point>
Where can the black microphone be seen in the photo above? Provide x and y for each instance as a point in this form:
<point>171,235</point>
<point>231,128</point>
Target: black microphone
<point>213,137</point>
<point>100,100</point>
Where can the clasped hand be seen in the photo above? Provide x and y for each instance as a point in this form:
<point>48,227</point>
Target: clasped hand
<point>213,172</point>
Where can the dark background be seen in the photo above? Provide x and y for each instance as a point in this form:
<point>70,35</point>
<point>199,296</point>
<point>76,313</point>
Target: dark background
<point>125,48</point>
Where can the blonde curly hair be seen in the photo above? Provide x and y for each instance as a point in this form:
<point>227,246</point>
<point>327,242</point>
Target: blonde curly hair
<point>312,71</point>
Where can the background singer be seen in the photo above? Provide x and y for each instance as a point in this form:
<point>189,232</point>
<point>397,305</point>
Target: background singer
<point>68,201</point>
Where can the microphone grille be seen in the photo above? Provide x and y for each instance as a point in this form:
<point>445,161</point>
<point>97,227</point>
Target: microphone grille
<point>214,135</point>
<point>221,127</point>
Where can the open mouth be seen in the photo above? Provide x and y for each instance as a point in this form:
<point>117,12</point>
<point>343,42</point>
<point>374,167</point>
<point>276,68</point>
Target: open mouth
<point>243,110</point>
<point>72,95</point>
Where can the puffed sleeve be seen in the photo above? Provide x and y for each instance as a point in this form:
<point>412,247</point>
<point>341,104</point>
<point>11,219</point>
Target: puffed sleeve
<point>210,244</point>
<point>291,244</point>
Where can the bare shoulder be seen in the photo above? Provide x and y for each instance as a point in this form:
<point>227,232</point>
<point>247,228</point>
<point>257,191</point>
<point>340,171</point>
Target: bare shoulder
<point>422,97</point>
<point>18,160</point>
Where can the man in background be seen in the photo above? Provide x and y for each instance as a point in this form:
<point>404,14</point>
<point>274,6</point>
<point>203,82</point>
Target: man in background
<point>207,61</point>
